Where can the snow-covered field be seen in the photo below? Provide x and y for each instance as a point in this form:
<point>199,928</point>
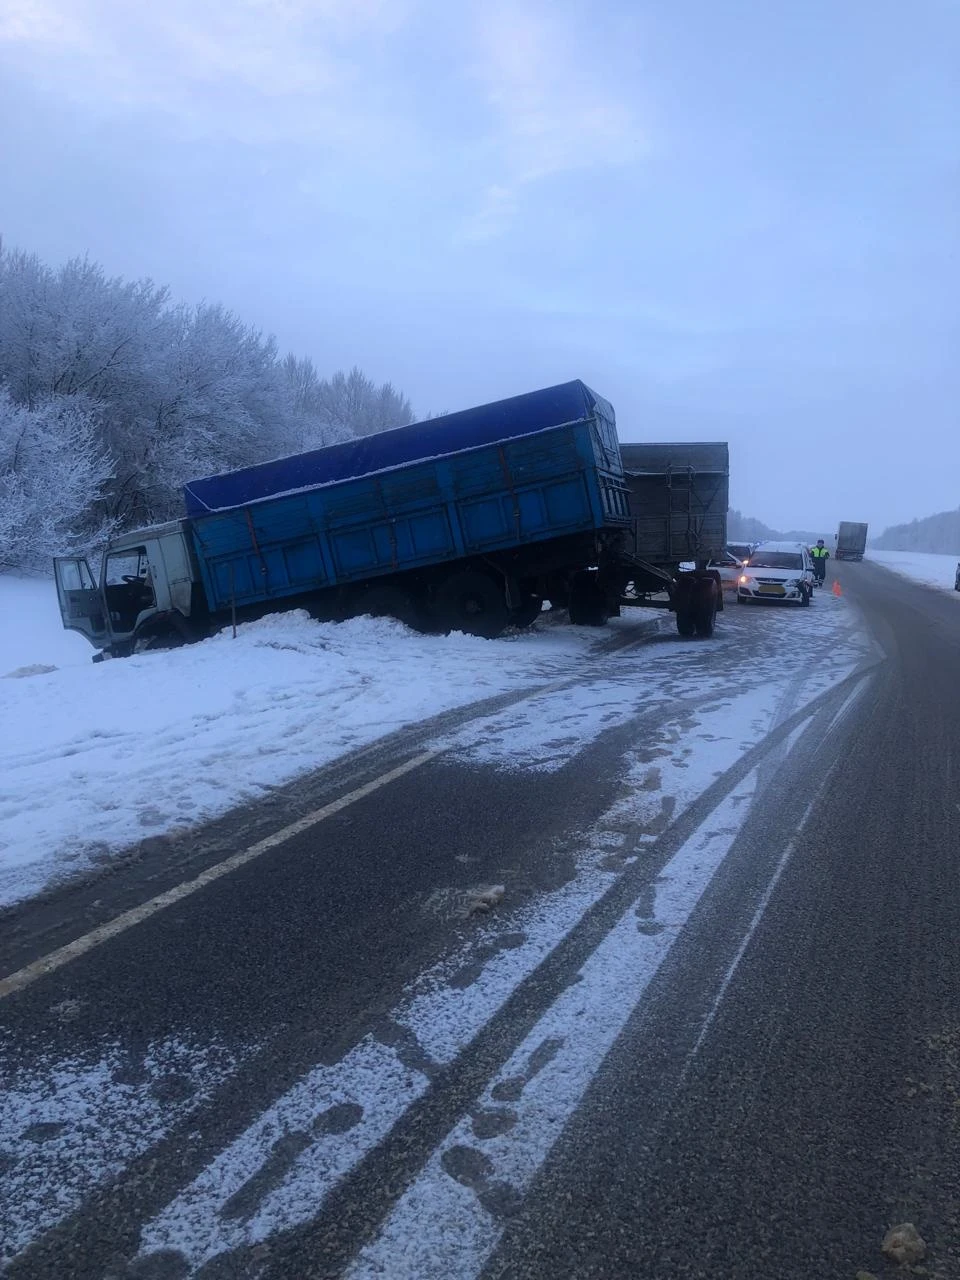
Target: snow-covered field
<point>96,757</point>
<point>933,571</point>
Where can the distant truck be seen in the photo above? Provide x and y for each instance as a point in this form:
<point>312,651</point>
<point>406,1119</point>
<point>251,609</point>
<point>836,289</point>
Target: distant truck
<point>851,540</point>
<point>465,522</point>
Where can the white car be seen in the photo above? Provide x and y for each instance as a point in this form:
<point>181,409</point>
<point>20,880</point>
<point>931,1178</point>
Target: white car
<point>781,571</point>
<point>729,568</point>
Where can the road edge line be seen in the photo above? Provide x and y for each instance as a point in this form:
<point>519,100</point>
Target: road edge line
<point>54,960</point>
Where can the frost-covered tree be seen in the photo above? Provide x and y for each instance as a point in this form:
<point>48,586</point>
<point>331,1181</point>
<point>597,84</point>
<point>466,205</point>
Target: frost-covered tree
<point>169,392</point>
<point>354,403</point>
<point>52,470</point>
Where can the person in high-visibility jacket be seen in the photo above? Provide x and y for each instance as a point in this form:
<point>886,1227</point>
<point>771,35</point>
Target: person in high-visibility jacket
<point>820,557</point>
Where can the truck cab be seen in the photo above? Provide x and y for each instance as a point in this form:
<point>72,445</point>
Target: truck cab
<point>145,595</point>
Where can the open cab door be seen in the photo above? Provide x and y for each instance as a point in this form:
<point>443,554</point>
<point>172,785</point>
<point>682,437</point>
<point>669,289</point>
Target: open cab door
<point>81,604</point>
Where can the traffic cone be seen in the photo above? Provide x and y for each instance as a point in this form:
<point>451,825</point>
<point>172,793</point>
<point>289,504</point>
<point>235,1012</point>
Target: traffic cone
<point>836,589</point>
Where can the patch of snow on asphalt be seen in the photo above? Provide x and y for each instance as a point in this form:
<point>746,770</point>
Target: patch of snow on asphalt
<point>304,1143</point>
<point>68,1125</point>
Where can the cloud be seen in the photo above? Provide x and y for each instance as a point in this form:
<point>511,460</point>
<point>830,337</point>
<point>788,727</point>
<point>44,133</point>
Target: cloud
<point>40,22</point>
<point>254,70</point>
<point>497,209</point>
<point>556,109</point>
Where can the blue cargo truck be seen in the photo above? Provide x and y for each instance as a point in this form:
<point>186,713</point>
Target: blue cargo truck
<point>465,522</point>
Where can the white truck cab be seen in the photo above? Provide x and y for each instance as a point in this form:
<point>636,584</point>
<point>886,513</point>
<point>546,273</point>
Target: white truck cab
<point>145,594</point>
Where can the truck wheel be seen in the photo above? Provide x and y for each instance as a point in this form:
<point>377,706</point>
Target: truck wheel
<point>686,623</point>
<point>588,604</point>
<point>472,602</point>
<point>705,613</point>
<point>165,637</point>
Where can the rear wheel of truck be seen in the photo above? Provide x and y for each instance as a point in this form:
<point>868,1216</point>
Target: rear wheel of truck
<point>705,609</point>
<point>686,623</point>
<point>472,602</point>
<point>588,603</point>
<point>684,606</point>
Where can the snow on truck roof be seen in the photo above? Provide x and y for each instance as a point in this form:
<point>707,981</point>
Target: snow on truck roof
<point>562,405</point>
<point>135,536</point>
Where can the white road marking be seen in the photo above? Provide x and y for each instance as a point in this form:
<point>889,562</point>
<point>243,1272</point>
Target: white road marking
<point>136,915</point>
<point>450,1220</point>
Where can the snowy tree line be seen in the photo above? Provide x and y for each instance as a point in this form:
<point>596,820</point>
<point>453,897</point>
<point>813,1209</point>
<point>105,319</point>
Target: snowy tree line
<point>741,528</point>
<point>939,535</point>
<point>112,395</point>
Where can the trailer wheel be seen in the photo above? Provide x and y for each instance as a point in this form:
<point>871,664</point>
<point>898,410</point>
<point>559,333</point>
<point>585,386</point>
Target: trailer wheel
<point>588,603</point>
<point>686,623</point>
<point>472,602</point>
<point>705,609</point>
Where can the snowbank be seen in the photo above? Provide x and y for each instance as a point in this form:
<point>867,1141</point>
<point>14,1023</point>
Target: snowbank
<point>31,632</point>
<point>933,571</point>
<point>95,757</point>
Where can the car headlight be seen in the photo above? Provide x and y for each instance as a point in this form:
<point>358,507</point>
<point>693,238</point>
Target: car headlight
<point>745,580</point>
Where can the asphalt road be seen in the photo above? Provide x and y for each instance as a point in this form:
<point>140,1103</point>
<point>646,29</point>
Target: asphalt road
<point>824,1104</point>
<point>775,1082</point>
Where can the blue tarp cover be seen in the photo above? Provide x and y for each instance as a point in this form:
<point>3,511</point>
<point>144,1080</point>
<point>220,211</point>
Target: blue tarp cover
<point>454,432</point>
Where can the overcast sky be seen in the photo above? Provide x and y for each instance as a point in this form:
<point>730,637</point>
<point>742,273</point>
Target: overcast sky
<point>736,219</point>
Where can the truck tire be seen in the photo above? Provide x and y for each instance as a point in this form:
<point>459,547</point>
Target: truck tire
<point>705,611</point>
<point>588,604</point>
<point>171,633</point>
<point>471,601</point>
<point>686,623</point>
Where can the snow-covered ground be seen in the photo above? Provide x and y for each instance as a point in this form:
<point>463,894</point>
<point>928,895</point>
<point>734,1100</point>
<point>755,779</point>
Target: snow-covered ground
<point>31,633</point>
<point>96,757</point>
<point>933,571</point>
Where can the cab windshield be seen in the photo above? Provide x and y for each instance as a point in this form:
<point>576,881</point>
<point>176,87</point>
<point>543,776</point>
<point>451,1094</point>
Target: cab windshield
<point>776,560</point>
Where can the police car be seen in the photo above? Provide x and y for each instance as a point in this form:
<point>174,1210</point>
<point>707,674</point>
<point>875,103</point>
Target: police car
<point>778,571</point>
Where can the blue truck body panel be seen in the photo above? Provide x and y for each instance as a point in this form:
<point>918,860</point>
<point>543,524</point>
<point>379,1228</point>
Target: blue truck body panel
<point>496,478</point>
